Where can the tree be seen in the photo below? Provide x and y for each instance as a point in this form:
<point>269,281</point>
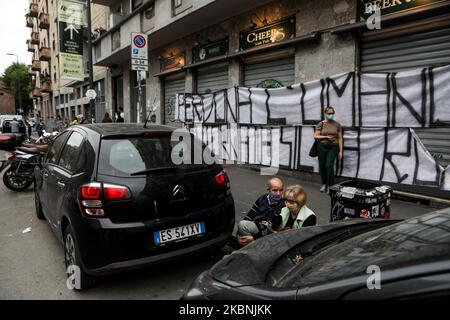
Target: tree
<point>9,78</point>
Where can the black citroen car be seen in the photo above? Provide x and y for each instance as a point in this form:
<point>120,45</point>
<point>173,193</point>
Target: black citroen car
<point>356,259</point>
<point>117,201</point>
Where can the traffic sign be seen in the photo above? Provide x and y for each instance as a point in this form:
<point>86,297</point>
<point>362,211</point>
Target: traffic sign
<point>139,68</point>
<point>139,62</point>
<point>139,46</point>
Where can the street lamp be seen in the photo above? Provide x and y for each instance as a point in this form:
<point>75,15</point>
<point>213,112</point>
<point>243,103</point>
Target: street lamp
<point>17,79</point>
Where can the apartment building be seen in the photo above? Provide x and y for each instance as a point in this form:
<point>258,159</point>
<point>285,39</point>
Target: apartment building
<point>52,95</point>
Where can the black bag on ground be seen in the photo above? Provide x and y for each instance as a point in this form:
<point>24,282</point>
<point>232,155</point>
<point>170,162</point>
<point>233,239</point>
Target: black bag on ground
<point>314,152</point>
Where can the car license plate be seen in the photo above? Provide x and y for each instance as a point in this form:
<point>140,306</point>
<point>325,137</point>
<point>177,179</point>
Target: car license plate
<point>178,233</point>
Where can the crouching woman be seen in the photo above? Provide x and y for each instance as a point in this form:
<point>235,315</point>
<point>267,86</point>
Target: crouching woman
<point>296,214</point>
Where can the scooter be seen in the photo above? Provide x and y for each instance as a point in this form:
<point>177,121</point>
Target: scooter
<point>19,174</point>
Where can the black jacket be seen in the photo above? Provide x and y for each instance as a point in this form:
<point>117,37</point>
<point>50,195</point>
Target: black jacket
<point>264,210</point>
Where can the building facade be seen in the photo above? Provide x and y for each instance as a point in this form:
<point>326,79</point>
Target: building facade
<point>7,100</point>
<point>53,96</point>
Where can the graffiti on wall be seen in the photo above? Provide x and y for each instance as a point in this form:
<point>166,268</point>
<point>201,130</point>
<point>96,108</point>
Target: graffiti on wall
<point>377,111</point>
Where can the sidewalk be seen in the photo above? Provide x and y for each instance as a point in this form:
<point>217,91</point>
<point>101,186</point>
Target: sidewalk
<point>247,185</point>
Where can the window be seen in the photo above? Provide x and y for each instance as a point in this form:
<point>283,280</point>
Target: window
<point>55,148</point>
<point>73,155</point>
<point>122,157</point>
<point>115,44</point>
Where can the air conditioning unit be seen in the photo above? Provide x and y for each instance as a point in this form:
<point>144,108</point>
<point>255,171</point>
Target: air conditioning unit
<point>115,19</point>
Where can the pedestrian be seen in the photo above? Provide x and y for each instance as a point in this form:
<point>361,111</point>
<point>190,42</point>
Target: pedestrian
<point>264,216</point>
<point>28,126</point>
<point>15,126</point>
<point>74,121</point>
<point>329,134</point>
<point>40,128</point>
<point>81,119</point>
<point>106,118</point>
<point>120,115</point>
<point>296,214</point>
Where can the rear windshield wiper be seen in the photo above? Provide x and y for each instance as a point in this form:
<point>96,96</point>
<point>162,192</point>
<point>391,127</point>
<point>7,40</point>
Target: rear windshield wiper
<point>151,170</point>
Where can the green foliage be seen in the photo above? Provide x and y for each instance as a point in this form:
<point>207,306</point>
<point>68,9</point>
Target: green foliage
<point>9,78</point>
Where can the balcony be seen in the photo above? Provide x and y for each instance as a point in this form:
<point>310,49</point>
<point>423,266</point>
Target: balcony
<point>44,20</point>
<point>45,54</point>
<point>35,38</point>
<point>29,19</point>
<point>34,10</point>
<point>36,65</point>
<point>30,70</point>
<point>46,86</point>
<point>31,47</point>
<point>37,92</point>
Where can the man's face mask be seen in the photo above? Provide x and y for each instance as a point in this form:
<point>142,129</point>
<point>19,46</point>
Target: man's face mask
<point>274,197</point>
<point>330,116</point>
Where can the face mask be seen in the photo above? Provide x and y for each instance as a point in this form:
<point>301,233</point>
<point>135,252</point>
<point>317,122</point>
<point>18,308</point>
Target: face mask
<point>330,116</point>
<point>274,197</point>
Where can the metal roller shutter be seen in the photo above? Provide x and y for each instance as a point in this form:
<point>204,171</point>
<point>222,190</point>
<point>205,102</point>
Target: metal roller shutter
<point>281,69</point>
<point>421,44</point>
<point>213,77</point>
<point>172,87</point>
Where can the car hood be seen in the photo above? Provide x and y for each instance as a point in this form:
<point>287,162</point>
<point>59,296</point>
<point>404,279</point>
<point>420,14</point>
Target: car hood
<point>251,264</point>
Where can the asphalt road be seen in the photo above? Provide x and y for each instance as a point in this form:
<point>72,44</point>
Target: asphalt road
<point>32,263</point>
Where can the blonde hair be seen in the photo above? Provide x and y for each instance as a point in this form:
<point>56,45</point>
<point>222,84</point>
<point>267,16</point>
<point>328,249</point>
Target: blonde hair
<point>297,193</point>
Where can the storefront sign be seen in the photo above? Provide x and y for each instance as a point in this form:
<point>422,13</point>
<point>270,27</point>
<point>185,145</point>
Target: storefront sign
<point>71,21</point>
<point>209,51</point>
<point>368,7</point>
<point>172,62</point>
<point>270,83</point>
<point>276,32</point>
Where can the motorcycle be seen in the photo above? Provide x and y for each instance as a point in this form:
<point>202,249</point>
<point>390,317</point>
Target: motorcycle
<point>19,174</point>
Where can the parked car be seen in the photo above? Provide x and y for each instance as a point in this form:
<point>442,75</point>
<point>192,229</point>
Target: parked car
<point>6,125</point>
<point>116,201</point>
<point>8,117</point>
<point>351,259</point>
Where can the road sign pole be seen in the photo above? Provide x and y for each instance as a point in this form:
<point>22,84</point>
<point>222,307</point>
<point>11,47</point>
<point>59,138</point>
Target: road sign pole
<point>91,72</point>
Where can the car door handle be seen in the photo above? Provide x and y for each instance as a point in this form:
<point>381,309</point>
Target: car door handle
<point>60,184</point>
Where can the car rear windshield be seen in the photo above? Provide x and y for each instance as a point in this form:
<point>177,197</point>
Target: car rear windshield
<point>131,156</point>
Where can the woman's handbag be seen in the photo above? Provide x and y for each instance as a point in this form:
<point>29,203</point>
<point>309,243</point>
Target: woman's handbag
<point>314,152</point>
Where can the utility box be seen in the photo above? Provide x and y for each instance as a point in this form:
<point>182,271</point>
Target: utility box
<point>360,199</point>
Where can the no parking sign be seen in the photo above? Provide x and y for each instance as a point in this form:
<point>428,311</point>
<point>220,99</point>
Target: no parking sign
<point>138,46</point>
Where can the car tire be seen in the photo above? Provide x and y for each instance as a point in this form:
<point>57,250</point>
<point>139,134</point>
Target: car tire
<point>37,205</point>
<point>9,183</point>
<point>78,279</point>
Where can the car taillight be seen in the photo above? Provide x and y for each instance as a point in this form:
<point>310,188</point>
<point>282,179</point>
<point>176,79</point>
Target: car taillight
<point>91,197</point>
<point>6,138</point>
<point>221,180</point>
<point>91,191</point>
<point>114,192</point>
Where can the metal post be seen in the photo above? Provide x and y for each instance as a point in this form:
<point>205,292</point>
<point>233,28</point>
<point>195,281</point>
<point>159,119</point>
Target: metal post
<point>91,72</point>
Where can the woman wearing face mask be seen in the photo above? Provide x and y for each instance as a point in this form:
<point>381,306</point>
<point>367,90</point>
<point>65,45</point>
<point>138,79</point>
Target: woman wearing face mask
<point>329,135</point>
<point>296,214</point>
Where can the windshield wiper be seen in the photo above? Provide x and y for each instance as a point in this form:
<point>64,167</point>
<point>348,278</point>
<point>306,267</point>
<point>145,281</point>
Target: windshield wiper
<point>153,170</point>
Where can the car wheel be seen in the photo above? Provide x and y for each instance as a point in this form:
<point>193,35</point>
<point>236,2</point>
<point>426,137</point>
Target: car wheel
<point>37,204</point>
<point>78,279</point>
